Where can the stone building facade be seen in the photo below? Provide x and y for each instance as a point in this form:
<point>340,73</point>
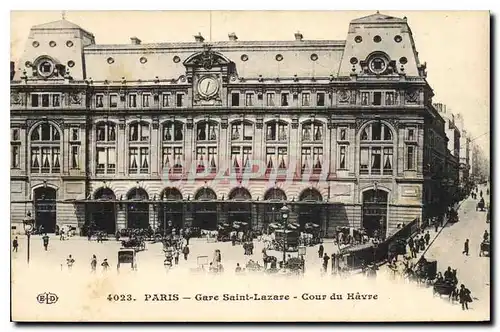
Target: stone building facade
<point>197,133</point>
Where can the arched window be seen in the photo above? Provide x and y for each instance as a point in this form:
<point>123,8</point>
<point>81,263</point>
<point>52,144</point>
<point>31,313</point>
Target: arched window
<point>105,132</point>
<point>206,146</point>
<point>45,148</point>
<point>241,145</point>
<point>172,146</point>
<point>312,147</point>
<point>276,146</point>
<point>105,153</point>
<point>138,150</point>
<point>376,149</point>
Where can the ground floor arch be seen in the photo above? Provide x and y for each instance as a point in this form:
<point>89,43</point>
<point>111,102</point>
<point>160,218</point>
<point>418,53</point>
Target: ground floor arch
<point>275,198</point>
<point>239,207</point>
<point>205,209</point>
<point>309,209</point>
<point>45,209</point>
<point>103,211</point>
<point>171,210</point>
<point>137,209</point>
<point>374,212</point>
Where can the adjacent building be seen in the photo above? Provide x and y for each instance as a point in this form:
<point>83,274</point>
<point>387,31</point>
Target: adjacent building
<point>343,132</point>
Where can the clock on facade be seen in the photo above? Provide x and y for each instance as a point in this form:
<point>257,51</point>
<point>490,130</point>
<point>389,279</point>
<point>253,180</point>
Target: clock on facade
<point>208,86</point>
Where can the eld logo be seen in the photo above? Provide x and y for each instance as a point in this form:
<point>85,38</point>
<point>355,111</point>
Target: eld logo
<point>47,298</point>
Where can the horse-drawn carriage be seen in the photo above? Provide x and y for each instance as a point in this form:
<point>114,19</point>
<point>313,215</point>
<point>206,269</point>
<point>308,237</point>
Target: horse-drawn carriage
<point>295,265</point>
<point>224,232</point>
<point>136,243</point>
<point>445,287</point>
<point>127,256</point>
<point>484,249</point>
<point>480,205</point>
<point>313,230</point>
<point>286,239</point>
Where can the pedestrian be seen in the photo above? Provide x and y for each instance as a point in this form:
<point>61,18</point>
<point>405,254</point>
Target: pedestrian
<point>45,239</point>
<point>466,247</point>
<point>410,242</point>
<point>93,264</point>
<point>15,244</point>
<point>486,236</point>
<point>185,252</point>
<point>69,262</point>
<point>436,225</point>
<point>321,250</point>
<point>464,296</point>
<point>176,256</point>
<point>238,268</point>
<point>326,258</point>
<point>105,264</point>
<point>61,234</point>
<point>416,246</point>
<point>427,238</point>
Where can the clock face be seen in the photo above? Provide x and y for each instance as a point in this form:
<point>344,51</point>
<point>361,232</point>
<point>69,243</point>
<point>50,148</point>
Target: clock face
<point>208,86</point>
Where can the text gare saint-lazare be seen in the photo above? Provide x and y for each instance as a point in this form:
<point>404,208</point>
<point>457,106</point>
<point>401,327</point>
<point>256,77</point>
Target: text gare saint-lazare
<point>162,297</point>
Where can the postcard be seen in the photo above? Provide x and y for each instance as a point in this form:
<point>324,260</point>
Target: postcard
<point>245,166</point>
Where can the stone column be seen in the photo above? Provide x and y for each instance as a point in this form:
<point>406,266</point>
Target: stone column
<point>84,148</point>
<point>24,149</point>
<point>155,145</point>
<point>223,152</point>
<point>331,147</point>
<point>64,154</point>
<point>294,146</point>
<point>400,153</point>
<point>189,149</point>
<point>259,143</point>
<point>420,149</point>
<point>121,152</point>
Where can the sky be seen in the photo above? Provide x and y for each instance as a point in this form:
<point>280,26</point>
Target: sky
<point>454,44</point>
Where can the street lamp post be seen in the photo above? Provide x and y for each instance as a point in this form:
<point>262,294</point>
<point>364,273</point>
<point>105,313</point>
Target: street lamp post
<point>28,224</point>
<point>284,218</point>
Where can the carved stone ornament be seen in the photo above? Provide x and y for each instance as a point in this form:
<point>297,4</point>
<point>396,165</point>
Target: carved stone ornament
<point>343,96</point>
<point>15,98</point>
<point>155,124</point>
<point>411,96</point>
<point>359,123</point>
<point>394,122</point>
<point>260,123</point>
<point>121,126</point>
<point>75,98</point>
<point>224,124</point>
<point>295,123</point>
<point>189,124</point>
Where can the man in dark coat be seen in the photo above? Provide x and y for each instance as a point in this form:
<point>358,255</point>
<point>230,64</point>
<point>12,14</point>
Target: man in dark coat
<point>486,236</point>
<point>448,274</point>
<point>15,244</point>
<point>427,238</point>
<point>45,239</point>
<point>321,250</point>
<point>416,246</point>
<point>464,296</point>
<point>466,247</point>
<point>185,251</point>
<point>326,258</point>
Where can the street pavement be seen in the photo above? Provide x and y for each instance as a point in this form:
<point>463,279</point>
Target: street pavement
<point>472,271</point>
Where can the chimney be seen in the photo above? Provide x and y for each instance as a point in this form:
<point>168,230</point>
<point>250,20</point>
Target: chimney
<point>299,36</point>
<point>135,41</point>
<point>199,38</point>
<point>232,37</point>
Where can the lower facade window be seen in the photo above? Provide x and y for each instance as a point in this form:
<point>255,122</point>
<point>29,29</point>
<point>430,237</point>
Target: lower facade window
<point>45,160</point>
<point>276,159</point>
<point>206,159</point>
<point>376,160</point>
<point>75,156</point>
<point>172,159</point>
<point>241,158</point>
<point>106,160</point>
<point>139,160</point>
<point>312,159</point>
<point>14,162</point>
<point>410,157</point>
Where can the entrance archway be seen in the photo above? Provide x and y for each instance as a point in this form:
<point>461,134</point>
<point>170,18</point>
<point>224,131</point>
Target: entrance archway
<point>103,212</point>
<point>239,208</point>
<point>375,212</point>
<point>309,210</point>
<point>171,211</point>
<point>205,213</point>
<point>45,209</point>
<point>276,198</point>
<point>137,209</point>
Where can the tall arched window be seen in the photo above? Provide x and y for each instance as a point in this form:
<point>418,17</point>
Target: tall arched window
<point>241,145</point>
<point>312,147</point>
<point>45,148</point>
<point>276,146</point>
<point>376,149</point>
<point>172,146</point>
<point>105,148</point>
<point>138,150</point>
<point>207,133</point>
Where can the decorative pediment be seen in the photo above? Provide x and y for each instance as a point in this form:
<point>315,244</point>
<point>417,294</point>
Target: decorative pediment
<point>207,59</point>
